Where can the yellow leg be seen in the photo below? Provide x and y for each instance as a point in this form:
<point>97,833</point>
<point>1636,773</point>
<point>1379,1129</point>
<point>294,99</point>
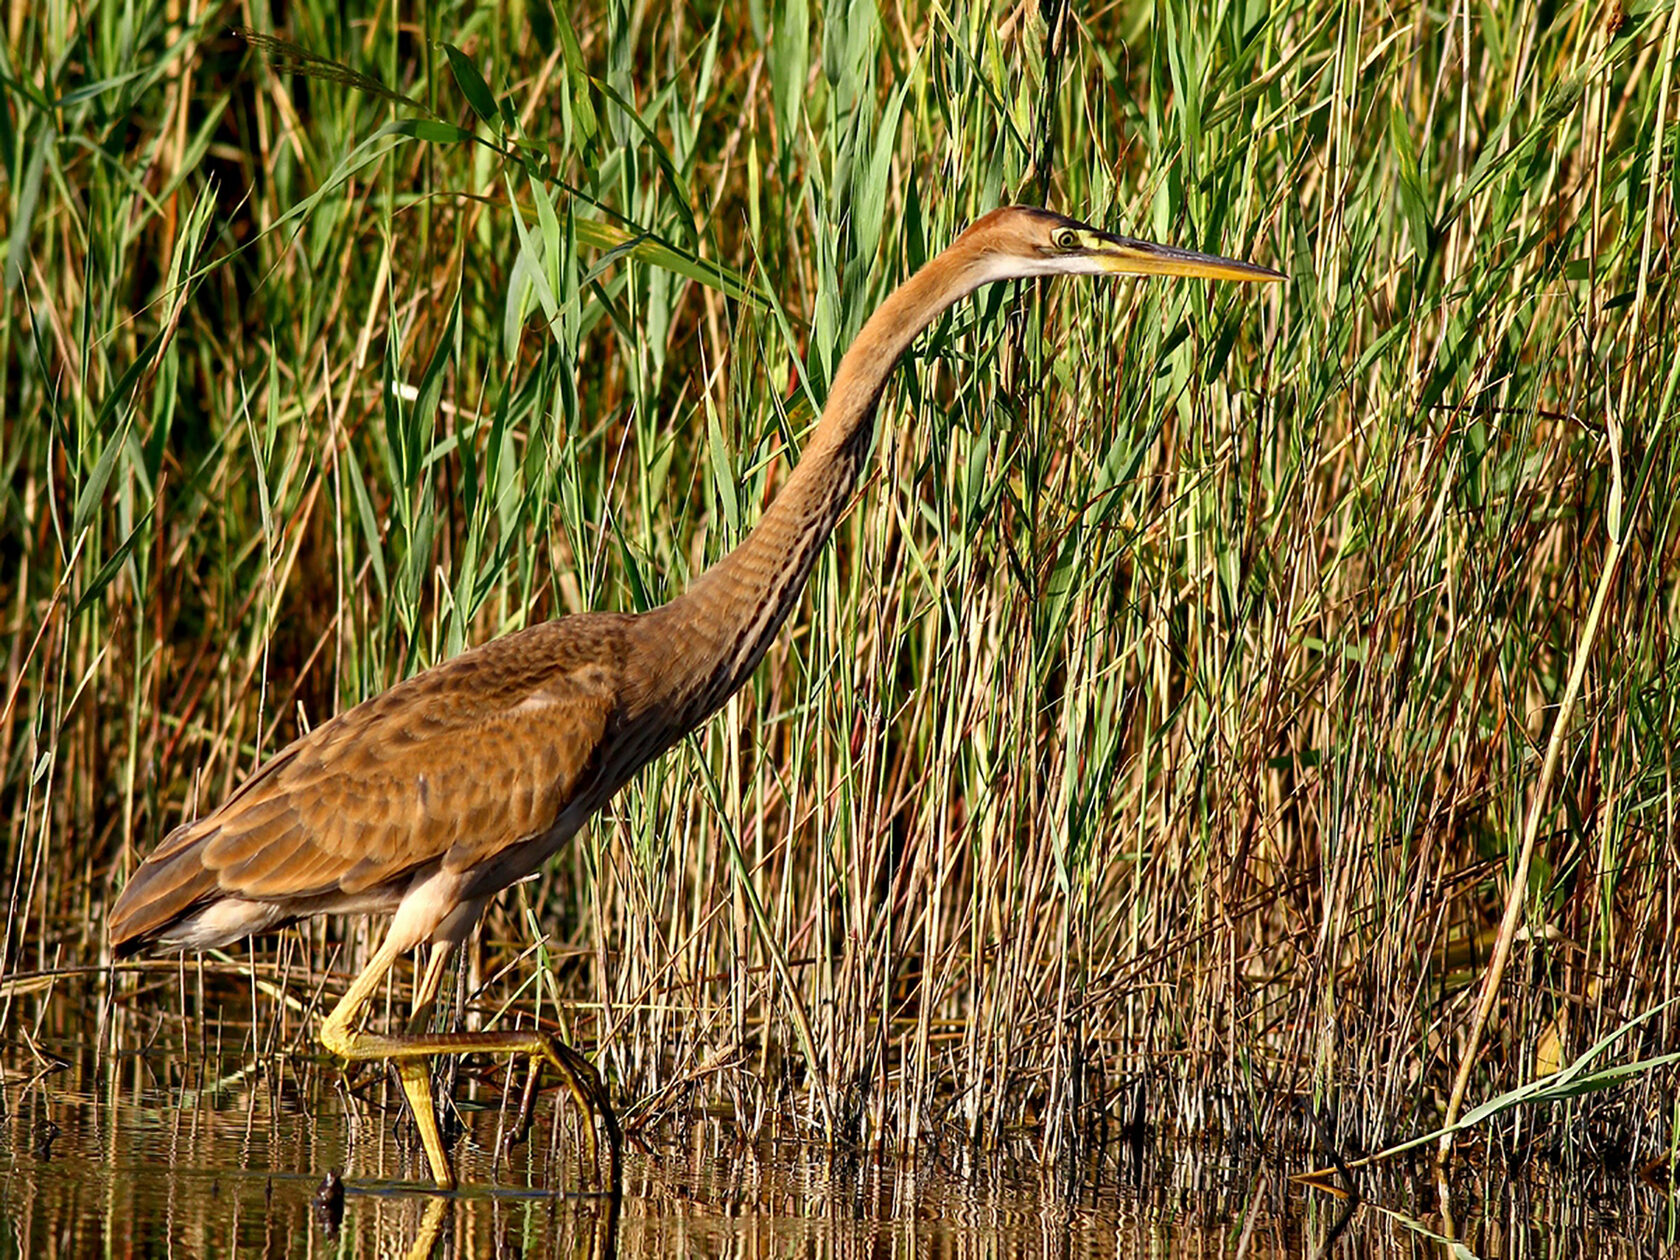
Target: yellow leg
<point>431,1225</point>
<point>412,1054</point>
<point>416,1078</point>
<point>416,1074</point>
<point>425,997</point>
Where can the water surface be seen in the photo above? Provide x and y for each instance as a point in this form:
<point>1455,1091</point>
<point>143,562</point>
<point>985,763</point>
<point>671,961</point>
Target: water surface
<point>152,1154</point>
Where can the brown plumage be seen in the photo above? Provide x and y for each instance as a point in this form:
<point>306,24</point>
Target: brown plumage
<point>347,816</point>
<point>430,798</point>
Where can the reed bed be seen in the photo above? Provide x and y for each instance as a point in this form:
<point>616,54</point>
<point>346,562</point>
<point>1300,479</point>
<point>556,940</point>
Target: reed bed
<point>1156,743</point>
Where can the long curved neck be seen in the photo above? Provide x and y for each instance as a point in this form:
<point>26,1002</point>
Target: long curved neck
<point>720,628</point>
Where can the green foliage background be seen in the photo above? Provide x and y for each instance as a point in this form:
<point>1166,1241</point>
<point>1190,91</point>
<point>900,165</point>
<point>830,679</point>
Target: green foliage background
<point>1170,705</point>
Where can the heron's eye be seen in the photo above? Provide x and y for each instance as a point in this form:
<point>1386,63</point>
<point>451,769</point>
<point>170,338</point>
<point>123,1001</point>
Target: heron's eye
<point>1066,238</point>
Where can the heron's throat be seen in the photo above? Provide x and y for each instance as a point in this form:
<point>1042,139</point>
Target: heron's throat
<point>722,625</point>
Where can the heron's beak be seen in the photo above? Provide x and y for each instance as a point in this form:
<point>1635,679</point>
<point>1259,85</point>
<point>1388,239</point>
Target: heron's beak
<point>1124,256</point>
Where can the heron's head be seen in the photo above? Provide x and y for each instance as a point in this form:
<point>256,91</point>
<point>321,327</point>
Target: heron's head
<point>1017,242</point>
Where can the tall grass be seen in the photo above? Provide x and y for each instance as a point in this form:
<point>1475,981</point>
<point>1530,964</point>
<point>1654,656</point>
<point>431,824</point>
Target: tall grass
<point>1156,740</point>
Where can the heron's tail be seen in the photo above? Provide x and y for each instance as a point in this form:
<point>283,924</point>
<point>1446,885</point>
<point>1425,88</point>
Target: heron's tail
<point>168,886</point>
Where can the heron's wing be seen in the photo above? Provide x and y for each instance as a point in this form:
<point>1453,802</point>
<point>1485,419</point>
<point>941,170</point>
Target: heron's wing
<point>480,752</point>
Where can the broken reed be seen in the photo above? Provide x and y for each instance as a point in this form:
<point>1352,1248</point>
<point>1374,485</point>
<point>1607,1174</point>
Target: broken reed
<point>1169,706</point>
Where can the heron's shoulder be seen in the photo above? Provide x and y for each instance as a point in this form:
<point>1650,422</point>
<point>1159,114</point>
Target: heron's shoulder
<point>578,659</point>
<point>586,652</point>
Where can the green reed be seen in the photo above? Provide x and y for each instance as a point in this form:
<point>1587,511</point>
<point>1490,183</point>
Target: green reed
<point>1170,704</point>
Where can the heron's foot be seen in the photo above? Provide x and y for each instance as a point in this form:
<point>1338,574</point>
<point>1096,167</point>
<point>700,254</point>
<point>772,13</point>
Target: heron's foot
<point>412,1055</point>
<point>590,1093</point>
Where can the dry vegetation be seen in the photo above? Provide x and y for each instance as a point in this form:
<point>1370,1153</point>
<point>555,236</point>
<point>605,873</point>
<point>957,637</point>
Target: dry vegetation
<point>1159,736</point>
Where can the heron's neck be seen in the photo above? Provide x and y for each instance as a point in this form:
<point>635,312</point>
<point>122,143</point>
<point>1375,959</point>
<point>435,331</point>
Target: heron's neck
<point>723,624</point>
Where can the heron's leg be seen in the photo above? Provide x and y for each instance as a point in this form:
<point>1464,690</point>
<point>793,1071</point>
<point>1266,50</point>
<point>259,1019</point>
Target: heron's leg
<point>339,1035</point>
<point>416,1074</point>
<point>431,1225</point>
<point>411,1052</point>
<point>338,1029</point>
<point>416,1078</point>
<point>425,997</point>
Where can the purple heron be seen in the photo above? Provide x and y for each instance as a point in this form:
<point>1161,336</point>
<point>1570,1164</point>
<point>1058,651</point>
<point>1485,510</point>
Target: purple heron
<point>427,800</point>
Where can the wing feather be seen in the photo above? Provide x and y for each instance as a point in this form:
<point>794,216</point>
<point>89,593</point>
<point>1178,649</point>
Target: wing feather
<point>464,760</point>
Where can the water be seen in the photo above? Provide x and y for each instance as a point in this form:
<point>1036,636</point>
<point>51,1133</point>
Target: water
<point>207,1155</point>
